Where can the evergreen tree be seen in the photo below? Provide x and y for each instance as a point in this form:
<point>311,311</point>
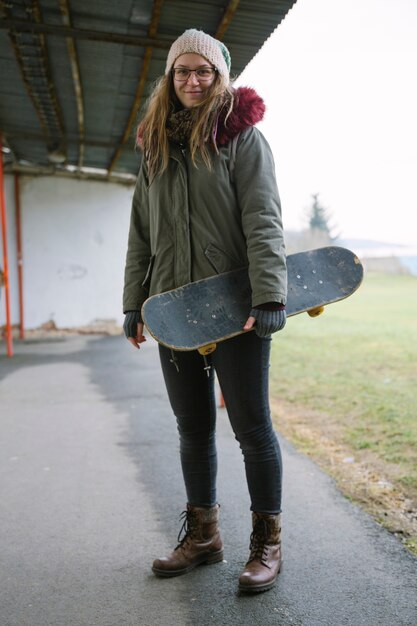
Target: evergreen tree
<point>319,218</point>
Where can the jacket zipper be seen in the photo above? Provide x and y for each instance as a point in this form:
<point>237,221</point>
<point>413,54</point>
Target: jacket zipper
<point>183,152</point>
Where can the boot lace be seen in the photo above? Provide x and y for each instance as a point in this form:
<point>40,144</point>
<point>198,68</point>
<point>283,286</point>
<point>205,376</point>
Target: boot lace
<point>187,529</point>
<point>258,539</point>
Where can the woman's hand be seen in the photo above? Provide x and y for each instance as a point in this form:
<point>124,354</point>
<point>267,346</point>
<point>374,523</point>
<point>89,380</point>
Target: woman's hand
<point>249,323</point>
<point>133,327</point>
<point>140,337</point>
<point>267,321</point>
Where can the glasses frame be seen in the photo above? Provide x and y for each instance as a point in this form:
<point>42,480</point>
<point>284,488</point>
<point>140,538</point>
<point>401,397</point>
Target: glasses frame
<point>213,71</point>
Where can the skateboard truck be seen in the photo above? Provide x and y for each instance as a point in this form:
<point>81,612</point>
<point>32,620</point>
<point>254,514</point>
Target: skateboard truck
<point>204,351</point>
<point>316,312</point>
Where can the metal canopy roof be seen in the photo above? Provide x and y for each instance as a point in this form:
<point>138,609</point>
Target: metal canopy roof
<point>75,73</point>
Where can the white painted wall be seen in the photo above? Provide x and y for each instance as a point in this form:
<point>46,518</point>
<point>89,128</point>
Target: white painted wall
<point>74,245</point>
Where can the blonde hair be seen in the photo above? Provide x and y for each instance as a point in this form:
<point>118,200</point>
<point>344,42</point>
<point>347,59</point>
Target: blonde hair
<point>152,133</point>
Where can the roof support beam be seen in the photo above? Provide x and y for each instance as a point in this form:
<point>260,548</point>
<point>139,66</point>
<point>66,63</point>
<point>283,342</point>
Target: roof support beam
<point>19,254</point>
<point>81,33</point>
<point>226,19</point>
<point>153,28</point>
<point>84,173</point>
<point>5,276</point>
<point>76,78</point>
<point>162,42</point>
<point>21,134</point>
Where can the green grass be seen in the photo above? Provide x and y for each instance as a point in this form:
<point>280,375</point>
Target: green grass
<point>357,365</point>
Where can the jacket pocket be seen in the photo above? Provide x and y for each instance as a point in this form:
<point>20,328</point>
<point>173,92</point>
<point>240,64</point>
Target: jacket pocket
<point>219,260</point>
<point>147,280</point>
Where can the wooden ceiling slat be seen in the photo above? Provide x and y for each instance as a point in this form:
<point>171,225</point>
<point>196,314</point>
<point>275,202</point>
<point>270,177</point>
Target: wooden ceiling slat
<point>156,14</point>
<point>76,78</point>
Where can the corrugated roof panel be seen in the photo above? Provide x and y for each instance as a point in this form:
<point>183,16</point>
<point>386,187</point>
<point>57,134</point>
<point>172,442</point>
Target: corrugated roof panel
<point>178,16</point>
<point>96,156</point>
<point>100,15</point>
<point>17,113</point>
<point>129,161</point>
<point>64,85</point>
<point>110,72</point>
<point>30,150</point>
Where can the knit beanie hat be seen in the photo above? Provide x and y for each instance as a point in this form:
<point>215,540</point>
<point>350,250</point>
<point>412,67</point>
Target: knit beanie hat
<point>197,41</point>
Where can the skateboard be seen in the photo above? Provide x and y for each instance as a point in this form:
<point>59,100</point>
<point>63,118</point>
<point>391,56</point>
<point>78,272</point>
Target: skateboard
<point>199,315</point>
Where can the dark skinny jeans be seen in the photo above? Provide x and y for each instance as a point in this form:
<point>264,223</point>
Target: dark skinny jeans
<point>242,367</point>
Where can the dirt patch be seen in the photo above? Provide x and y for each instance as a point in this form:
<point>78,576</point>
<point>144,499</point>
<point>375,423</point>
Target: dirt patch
<point>360,475</point>
<point>49,330</point>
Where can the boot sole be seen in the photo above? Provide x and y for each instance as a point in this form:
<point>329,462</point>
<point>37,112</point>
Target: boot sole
<point>209,559</point>
<point>260,588</point>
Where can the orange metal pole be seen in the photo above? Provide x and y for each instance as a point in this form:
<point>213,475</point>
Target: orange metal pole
<point>9,340</point>
<point>19,255</point>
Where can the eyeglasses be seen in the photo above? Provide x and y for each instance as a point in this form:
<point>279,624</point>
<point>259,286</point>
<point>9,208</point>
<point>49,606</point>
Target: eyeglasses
<point>182,74</point>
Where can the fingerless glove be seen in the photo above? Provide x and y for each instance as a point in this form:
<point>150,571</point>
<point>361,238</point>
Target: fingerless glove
<point>130,325</point>
<point>268,322</point>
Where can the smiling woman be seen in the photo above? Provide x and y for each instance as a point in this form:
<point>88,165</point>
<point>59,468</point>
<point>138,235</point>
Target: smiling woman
<point>188,101</point>
<point>193,76</point>
<point>193,217</point>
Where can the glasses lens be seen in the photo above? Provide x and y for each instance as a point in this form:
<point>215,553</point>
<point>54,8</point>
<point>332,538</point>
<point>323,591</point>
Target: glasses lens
<point>203,73</point>
<point>181,73</point>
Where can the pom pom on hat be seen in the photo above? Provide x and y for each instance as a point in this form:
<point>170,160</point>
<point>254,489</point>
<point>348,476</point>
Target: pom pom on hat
<point>199,42</point>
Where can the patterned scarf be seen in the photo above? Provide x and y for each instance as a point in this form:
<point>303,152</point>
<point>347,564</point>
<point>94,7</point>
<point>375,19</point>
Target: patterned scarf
<point>179,125</point>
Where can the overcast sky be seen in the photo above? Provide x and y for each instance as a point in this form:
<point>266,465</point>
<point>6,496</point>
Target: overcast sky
<point>340,83</point>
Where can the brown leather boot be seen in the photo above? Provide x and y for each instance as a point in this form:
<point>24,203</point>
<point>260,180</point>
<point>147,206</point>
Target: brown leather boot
<point>264,563</point>
<point>201,543</point>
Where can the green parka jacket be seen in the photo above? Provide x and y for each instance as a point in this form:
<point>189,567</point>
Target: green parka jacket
<point>191,223</point>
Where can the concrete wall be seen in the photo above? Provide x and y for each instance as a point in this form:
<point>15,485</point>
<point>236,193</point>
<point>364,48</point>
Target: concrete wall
<point>74,245</point>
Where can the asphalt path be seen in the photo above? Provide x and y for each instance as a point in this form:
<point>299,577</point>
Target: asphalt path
<point>91,493</point>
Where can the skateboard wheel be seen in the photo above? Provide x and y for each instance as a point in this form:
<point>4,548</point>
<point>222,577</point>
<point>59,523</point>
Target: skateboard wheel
<point>316,312</point>
<point>208,349</point>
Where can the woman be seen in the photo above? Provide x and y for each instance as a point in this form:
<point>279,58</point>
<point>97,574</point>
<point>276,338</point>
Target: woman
<point>206,202</point>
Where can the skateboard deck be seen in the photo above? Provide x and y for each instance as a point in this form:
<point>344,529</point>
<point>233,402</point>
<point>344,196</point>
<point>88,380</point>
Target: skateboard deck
<point>201,314</point>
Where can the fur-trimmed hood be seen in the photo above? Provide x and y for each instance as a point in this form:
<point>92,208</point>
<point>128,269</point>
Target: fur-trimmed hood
<point>248,110</point>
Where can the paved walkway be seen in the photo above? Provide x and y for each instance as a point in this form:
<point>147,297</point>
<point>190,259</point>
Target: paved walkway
<point>91,492</point>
